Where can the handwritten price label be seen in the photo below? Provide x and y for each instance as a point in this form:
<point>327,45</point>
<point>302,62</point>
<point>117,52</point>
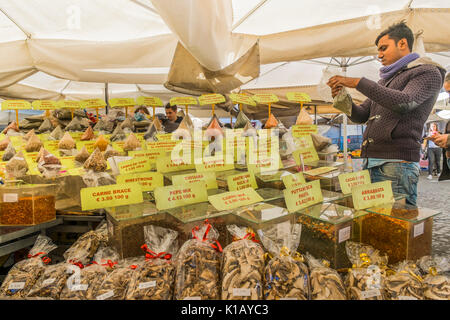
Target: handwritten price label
<point>208,177</point>
<point>235,199</point>
<point>177,196</point>
<point>211,99</point>
<point>148,180</point>
<point>299,130</point>
<point>293,180</point>
<point>135,166</point>
<point>241,181</point>
<point>149,101</point>
<point>111,196</point>
<point>371,195</point>
<point>350,180</point>
<point>16,105</point>
<point>303,196</point>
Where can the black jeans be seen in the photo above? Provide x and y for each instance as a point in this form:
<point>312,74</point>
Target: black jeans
<point>434,160</point>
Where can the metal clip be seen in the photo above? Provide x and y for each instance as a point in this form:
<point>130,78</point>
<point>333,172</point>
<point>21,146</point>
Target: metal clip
<point>376,117</point>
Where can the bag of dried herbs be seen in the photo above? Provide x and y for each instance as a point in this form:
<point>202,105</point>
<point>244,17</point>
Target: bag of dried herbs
<point>67,142</point>
<point>49,165</point>
<point>406,283</point>
<point>84,249</point>
<point>366,279</point>
<point>286,275</point>
<point>101,143</point>
<point>96,162</point>
<point>46,126</point>
<point>304,118</point>
<point>56,134</point>
<point>4,144</point>
<point>9,152</point>
<point>95,166</point>
<point>11,128</point>
<point>88,134</point>
<point>154,280</point>
<point>110,152</point>
<point>28,135</point>
<point>242,266</point>
<point>437,283</point>
<point>326,283</point>
<point>24,274</point>
<point>343,102</point>
<point>116,283</point>
<point>155,128</point>
<point>52,282</point>
<point>132,143</point>
<point>81,157</point>
<point>75,125</point>
<point>198,265</point>
<point>34,144</point>
<point>241,120</point>
<point>118,134</point>
<point>104,126</point>
<point>127,125</point>
<point>17,166</point>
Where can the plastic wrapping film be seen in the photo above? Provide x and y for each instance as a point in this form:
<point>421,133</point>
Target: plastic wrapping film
<point>118,134</point>
<point>366,279</point>
<point>52,282</point>
<point>286,275</point>
<point>242,266</point>
<point>326,283</point>
<point>323,89</point>
<point>9,152</point>
<point>24,274</point>
<point>406,283</point>
<point>17,166</point>
<point>56,134</point>
<point>46,126</point>
<point>154,280</point>
<point>343,102</point>
<point>86,246</point>
<point>82,156</point>
<point>198,266</point>
<point>75,125</point>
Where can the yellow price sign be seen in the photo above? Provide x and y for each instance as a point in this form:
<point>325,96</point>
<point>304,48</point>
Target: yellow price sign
<point>135,165</point>
<point>208,177</point>
<point>373,194</point>
<point>235,199</point>
<point>151,155</point>
<point>242,99</point>
<point>148,180</point>
<point>309,155</point>
<point>241,181</point>
<point>68,162</point>
<point>293,180</point>
<point>165,165</point>
<point>350,180</point>
<point>164,136</point>
<point>16,105</point>
<point>69,104</point>
<point>214,164</point>
<point>44,105</point>
<point>303,196</point>
<point>298,97</point>
<point>213,98</point>
<point>93,103</point>
<point>177,196</point>
<point>121,102</point>
<point>185,101</point>
<point>299,130</point>
<point>264,163</point>
<point>162,145</point>
<point>88,144</point>
<point>265,98</point>
<point>149,101</point>
<point>110,196</point>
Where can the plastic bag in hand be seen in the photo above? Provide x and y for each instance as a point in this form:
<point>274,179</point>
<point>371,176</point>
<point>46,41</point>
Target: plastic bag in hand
<point>323,90</point>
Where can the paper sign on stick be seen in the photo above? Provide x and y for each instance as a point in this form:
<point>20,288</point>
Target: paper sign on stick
<point>303,196</point>
<point>235,199</point>
<point>371,195</point>
<point>350,180</point>
<point>110,196</point>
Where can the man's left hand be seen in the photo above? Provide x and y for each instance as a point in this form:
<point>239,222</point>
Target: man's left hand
<point>343,81</point>
<point>440,140</point>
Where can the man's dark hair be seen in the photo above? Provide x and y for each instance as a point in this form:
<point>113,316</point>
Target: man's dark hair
<point>397,32</point>
<point>168,106</point>
<point>447,77</point>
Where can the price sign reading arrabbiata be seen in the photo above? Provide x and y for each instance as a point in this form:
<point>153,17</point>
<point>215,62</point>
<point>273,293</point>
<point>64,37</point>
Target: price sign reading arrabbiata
<point>111,196</point>
<point>303,196</point>
<point>371,195</point>
<point>299,130</point>
<point>235,199</point>
<point>177,196</point>
<point>293,180</point>
<point>241,181</point>
<point>208,177</point>
<point>135,166</point>
<point>148,180</point>
<point>350,180</point>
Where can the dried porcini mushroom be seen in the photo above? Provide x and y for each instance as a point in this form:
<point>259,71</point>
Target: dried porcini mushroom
<point>304,118</point>
<point>90,279</point>
<point>24,274</point>
<point>9,152</point>
<point>4,144</point>
<point>198,266</point>
<point>118,134</point>
<point>271,122</point>
<point>101,143</point>
<point>84,248</point>
<point>132,143</point>
<point>88,134</point>
<point>96,161</point>
<point>51,283</point>
<point>46,126</point>
<point>82,156</point>
<point>67,142</point>
<point>242,267</point>
<point>12,126</point>
<point>17,166</point>
<point>406,282</point>
<point>56,134</point>
<point>34,144</point>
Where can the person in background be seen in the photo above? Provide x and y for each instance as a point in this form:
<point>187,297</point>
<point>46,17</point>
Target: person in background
<point>141,114</point>
<point>396,109</point>
<point>172,121</point>
<point>433,151</point>
<point>443,140</point>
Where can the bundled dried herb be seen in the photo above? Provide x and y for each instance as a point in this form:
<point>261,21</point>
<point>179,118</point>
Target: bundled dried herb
<point>242,266</point>
<point>88,134</point>
<point>75,125</point>
<point>56,134</point>
<point>24,274</point>
<point>127,125</point>
<point>198,266</point>
<point>132,143</point>
<point>34,144</point>
<point>304,118</point>
<point>4,144</point>
<point>67,142</point>
<point>17,166</point>
<point>118,134</point>
<point>46,126</point>
<point>155,277</point>
<point>96,162</point>
<point>101,143</point>
<point>82,156</point>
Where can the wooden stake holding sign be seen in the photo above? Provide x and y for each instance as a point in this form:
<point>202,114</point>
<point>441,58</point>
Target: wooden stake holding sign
<point>72,105</point>
<point>211,99</point>
<point>16,105</point>
<point>265,98</point>
<point>242,99</point>
<point>301,129</point>
<point>183,101</point>
<point>122,103</point>
<point>150,102</point>
<point>94,104</point>
<point>46,105</point>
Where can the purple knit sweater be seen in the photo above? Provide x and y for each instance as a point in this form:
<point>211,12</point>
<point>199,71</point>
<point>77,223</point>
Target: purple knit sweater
<point>396,110</point>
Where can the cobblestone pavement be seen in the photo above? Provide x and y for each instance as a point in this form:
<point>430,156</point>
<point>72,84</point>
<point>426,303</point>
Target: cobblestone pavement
<point>436,195</point>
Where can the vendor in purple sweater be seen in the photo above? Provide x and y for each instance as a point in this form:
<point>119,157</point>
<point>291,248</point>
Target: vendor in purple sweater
<point>396,109</point>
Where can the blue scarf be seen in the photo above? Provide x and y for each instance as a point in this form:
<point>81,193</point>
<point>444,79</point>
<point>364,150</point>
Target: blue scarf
<point>390,70</point>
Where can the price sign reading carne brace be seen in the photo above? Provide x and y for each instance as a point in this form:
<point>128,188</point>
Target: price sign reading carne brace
<point>110,196</point>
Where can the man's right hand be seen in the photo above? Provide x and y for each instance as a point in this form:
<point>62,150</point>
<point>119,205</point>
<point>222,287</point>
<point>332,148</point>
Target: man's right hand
<point>335,91</point>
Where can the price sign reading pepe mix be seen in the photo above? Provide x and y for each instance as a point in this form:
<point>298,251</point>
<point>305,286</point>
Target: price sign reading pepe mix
<point>177,196</point>
<point>110,196</point>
